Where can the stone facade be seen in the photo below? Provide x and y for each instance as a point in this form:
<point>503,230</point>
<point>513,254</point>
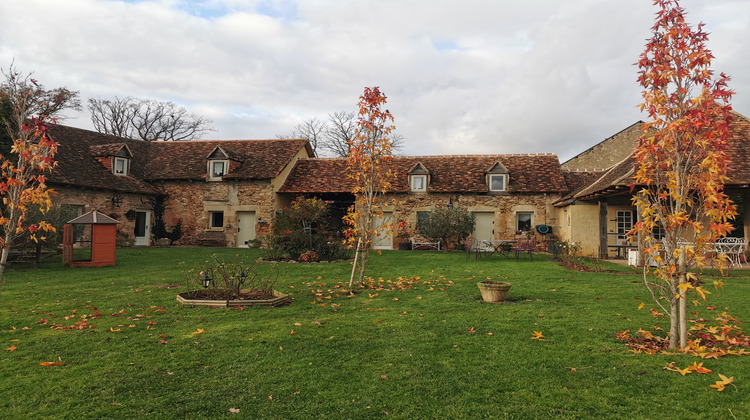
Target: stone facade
<point>608,152</point>
<point>103,202</point>
<point>503,207</point>
<point>191,203</point>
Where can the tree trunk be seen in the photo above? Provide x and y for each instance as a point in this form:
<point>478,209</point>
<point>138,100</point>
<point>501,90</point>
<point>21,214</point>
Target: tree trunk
<point>683,298</point>
<point>674,326</point>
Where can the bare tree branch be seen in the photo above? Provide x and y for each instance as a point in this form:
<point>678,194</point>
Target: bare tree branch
<point>332,137</point>
<point>27,98</point>
<point>146,119</point>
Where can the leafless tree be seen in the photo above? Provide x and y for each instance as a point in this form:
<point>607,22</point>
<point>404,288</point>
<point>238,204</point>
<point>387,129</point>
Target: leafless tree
<point>27,97</point>
<point>332,137</point>
<point>146,119</point>
<point>313,130</point>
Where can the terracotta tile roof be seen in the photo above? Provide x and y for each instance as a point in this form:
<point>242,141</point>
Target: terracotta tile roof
<point>77,166</point>
<point>620,176</point>
<point>578,179</point>
<point>259,159</point>
<point>529,173</point>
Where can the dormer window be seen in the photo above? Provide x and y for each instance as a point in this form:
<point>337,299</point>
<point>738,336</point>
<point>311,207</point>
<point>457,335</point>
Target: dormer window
<point>218,164</point>
<point>121,166</point>
<point>419,183</point>
<point>498,182</point>
<point>497,178</point>
<point>121,161</point>
<point>419,177</point>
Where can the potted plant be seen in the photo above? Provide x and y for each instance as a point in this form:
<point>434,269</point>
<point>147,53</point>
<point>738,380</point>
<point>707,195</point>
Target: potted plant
<point>493,291</point>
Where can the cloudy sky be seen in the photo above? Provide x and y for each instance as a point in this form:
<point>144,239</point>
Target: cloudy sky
<point>462,77</point>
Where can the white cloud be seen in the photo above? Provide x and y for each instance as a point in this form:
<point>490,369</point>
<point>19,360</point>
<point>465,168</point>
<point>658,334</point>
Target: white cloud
<point>461,77</point>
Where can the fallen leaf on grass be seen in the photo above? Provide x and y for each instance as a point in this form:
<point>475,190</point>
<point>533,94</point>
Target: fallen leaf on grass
<point>198,331</point>
<point>490,333</point>
<point>572,369</point>
<point>383,378</point>
<point>297,324</point>
<point>537,336</point>
<point>234,410</point>
<point>698,368</point>
<point>719,385</point>
<point>471,330</point>
<point>641,306</point>
<point>11,348</point>
<point>62,364</point>
<point>163,341</point>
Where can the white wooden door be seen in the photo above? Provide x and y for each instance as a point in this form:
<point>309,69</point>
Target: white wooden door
<point>142,227</point>
<point>245,228</point>
<point>484,227</point>
<point>383,239</point>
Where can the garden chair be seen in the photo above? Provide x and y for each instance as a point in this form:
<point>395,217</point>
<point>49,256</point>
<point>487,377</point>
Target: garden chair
<point>526,246</point>
<point>479,248</point>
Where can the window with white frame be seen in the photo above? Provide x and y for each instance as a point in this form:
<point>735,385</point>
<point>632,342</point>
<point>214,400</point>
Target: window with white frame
<point>217,169</point>
<point>498,182</point>
<point>216,219</point>
<point>523,222</point>
<point>120,166</point>
<point>624,223</point>
<point>418,183</point>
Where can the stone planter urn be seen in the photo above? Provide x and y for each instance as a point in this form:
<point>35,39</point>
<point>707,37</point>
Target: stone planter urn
<point>493,291</point>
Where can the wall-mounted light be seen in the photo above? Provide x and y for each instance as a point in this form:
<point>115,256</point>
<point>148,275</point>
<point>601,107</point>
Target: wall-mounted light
<point>116,200</point>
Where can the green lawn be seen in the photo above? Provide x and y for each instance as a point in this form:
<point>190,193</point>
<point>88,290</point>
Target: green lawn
<point>403,354</point>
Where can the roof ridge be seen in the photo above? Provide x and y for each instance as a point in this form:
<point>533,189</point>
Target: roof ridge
<point>483,155</point>
<point>220,140</point>
<point>583,170</point>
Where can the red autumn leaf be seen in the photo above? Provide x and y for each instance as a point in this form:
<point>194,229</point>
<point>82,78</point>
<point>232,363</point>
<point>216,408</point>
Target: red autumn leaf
<point>52,364</point>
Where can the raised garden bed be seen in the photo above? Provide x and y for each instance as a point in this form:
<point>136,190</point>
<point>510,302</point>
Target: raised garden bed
<point>246,298</point>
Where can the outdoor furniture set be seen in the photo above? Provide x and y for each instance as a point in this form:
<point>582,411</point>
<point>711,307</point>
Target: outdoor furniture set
<point>487,248</point>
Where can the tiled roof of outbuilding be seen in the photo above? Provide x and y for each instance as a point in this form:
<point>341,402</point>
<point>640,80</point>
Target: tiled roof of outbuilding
<point>529,173</point>
<point>259,159</point>
<point>78,167</point>
<point>620,176</point>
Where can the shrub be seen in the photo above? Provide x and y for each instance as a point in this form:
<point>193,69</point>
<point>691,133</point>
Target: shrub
<point>303,227</point>
<point>447,225</point>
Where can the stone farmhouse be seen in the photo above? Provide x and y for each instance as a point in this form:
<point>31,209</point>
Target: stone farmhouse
<point>226,193</point>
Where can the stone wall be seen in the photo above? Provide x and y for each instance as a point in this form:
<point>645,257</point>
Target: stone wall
<point>505,208</point>
<point>607,153</point>
<point>190,202</point>
<point>90,200</point>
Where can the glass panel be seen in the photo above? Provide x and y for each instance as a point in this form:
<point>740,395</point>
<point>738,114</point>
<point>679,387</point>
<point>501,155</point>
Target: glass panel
<point>217,169</point>
<point>217,219</point>
<point>497,183</point>
<point>140,224</point>
<point>524,222</point>
<point>120,166</point>
<point>624,222</point>
<point>417,183</point>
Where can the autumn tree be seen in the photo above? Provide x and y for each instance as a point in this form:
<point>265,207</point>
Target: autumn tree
<point>146,119</point>
<point>367,166</point>
<point>19,94</point>
<point>682,162</point>
<point>23,172</point>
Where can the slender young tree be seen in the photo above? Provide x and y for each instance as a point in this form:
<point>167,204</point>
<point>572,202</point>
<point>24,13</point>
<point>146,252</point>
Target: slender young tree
<point>682,162</point>
<point>22,172</point>
<point>369,155</point>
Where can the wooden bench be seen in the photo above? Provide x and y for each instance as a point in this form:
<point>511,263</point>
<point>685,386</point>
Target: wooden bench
<point>418,242</point>
<point>212,239</point>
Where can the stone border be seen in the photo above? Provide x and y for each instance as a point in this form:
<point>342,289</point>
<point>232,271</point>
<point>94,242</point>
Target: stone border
<point>278,300</point>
